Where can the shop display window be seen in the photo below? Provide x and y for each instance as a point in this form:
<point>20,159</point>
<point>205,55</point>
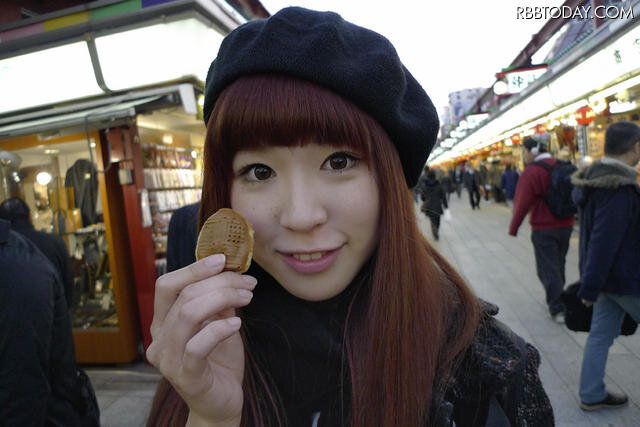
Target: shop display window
<point>59,182</point>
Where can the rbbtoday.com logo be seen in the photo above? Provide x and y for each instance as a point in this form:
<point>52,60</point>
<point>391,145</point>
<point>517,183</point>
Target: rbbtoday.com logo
<point>580,12</point>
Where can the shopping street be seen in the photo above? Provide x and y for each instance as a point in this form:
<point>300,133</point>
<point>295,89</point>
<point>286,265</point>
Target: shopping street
<point>500,269</point>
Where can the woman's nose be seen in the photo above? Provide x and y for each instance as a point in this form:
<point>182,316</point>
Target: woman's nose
<point>302,207</point>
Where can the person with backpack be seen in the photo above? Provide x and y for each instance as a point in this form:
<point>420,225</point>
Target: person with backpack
<point>608,196</point>
<point>544,192</point>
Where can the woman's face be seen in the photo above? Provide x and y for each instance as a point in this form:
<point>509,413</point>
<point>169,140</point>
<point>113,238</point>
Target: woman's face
<point>315,212</point>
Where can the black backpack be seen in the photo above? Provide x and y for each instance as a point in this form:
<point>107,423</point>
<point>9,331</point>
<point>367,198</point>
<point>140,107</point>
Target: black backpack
<point>558,197</point>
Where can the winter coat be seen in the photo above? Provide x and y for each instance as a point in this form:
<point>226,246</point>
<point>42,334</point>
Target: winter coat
<point>508,182</point>
<point>83,177</point>
<point>52,246</point>
<point>433,197</point>
<point>494,175</point>
<point>497,363</point>
<point>182,237</point>
<point>39,382</point>
<point>471,179</point>
<point>529,198</point>
<point>608,199</point>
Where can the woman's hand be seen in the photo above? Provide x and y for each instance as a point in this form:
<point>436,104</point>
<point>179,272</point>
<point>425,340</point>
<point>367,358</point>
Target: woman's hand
<point>196,344</point>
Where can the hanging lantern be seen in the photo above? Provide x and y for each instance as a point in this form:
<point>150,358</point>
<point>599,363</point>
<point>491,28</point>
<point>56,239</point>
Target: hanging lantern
<point>540,129</point>
<point>516,139</point>
<point>585,115</point>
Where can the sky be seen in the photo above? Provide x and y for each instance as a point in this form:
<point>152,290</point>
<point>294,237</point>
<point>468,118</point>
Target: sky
<point>446,45</point>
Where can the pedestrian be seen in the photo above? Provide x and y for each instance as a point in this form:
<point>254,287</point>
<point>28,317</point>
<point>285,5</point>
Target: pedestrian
<point>16,211</point>
<point>457,176</point>
<point>182,237</point>
<point>40,382</point>
<point>434,201</point>
<point>350,299</point>
<point>483,174</point>
<point>550,235</point>
<point>608,197</point>
<point>509,181</point>
<point>447,185</point>
<point>472,184</point>
<point>495,173</point>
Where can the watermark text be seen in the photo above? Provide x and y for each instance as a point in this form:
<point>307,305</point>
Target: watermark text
<point>580,12</point>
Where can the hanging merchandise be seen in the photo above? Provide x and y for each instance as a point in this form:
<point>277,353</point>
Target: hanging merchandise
<point>82,176</point>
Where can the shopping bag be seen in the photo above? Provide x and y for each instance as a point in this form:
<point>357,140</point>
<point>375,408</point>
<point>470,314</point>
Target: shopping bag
<point>447,215</point>
<point>577,316</point>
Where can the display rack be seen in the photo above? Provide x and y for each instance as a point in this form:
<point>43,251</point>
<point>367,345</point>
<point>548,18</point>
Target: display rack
<point>172,180</point>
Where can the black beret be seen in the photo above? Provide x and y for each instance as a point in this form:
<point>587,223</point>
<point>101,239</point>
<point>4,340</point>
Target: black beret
<point>356,63</point>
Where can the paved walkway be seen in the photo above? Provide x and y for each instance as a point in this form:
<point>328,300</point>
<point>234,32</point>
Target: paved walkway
<point>500,269</point>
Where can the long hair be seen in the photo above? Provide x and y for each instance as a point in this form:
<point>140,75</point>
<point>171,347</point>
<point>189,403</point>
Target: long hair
<point>413,316</point>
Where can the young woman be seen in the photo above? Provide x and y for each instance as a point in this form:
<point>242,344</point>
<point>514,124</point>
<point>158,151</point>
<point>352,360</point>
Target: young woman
<point>347,317</point>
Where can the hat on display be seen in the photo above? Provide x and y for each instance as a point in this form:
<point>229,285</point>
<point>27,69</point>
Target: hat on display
<point>354,62</point>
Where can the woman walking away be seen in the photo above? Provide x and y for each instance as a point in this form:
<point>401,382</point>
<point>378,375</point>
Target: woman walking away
<point>347,316</point>
<point>433,200</point>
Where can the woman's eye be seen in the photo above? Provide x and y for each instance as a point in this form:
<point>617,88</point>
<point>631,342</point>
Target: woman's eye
<point>340,161</point>
<point>257,172</point>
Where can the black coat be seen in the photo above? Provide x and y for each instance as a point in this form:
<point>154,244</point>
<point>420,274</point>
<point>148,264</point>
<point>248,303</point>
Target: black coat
<point>83,177</point>
<point>39,382</point>
<point>608,199</point>
<point>433,197</point>
<point>471,180</point>
<point>52,246</point>
<point>182,237</point>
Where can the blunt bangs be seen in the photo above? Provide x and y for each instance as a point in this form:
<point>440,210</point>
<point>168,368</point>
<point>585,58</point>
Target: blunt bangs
<point>268,109</point>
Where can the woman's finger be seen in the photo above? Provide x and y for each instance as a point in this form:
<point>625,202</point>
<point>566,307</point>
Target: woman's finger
<point>185,320</point>
<point>169,285</point>
<point>205,341</point>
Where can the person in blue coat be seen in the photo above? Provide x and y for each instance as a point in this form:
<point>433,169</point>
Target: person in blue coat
<point>608,197</point>
<point>509,182</point>
<point>182,237</point>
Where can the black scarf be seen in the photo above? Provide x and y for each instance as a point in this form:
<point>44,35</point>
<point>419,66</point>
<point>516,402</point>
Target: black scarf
<point>299,347</point>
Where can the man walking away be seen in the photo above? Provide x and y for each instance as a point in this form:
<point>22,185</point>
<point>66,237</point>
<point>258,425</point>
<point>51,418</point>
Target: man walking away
<point>508,182</point>
<point>433,200</point>
<point>608,198</point>
<point>472,184</point>
<point>551,234</point>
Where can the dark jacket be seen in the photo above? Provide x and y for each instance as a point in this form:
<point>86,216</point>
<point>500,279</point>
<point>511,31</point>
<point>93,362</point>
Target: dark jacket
<point>182,237</point>
<point>52,246</point>
<point>498,363</point>
<point>508,182</point>
<point>471,179</point>
<point>38,377</point>
<point>83,177</point>
<point>433,196</point>
<point>608,199</point>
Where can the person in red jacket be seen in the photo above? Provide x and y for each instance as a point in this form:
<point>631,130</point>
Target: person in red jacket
<point>550,235</point>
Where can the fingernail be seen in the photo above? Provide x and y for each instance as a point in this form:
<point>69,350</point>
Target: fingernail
<point>215,260</point>
<point>250,280</point>
<point>234,322</point>
<point>245,294</point>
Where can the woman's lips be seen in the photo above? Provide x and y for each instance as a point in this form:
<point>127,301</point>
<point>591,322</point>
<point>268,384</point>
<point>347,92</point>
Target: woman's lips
<point>311,262</point>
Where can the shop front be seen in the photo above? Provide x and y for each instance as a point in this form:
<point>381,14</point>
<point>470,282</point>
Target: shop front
<point>570,106</point>
<point>105,170</point>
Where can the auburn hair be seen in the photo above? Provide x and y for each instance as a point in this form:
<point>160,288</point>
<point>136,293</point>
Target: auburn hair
<point>413,316</point>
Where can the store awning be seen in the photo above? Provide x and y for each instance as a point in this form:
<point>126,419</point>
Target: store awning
<point>87,119</point>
